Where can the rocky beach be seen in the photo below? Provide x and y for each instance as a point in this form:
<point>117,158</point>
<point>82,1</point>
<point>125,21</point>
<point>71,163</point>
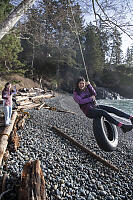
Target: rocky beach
<point>71,174</point>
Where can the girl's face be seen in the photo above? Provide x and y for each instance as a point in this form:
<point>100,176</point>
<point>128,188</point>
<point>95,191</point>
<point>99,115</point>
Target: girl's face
<point>81,85</point>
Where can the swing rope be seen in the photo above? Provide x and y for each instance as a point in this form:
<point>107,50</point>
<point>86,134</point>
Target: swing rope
<point>77,34</point>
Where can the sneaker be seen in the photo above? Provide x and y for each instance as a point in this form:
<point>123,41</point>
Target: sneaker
<point>131,120</point>
<point>126,128</point>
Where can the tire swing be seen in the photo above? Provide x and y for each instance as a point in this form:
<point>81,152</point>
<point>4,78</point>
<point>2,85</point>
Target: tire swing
<point>106,134</point>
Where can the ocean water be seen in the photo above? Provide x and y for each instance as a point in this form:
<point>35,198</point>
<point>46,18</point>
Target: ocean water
<point>125,105</point>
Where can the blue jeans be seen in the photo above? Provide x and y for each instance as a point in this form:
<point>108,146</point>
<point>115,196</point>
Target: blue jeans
<point>8,114</point>
<point>103,111</point>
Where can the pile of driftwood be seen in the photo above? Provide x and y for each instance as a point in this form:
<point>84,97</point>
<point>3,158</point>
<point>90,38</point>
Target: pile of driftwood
<point>28,99</point>
<point>35,97</point>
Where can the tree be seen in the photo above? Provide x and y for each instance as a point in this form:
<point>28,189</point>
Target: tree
<point>49,26</point>
<point>116,56</point>
<point>111,13</point>
<point>129,57</point>
<point>93,51</point>
<point>10,45</point>
<point>5,9</point>
<point>14,17</point>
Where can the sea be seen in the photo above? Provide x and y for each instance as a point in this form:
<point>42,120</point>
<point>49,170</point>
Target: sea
<point>125,105</point>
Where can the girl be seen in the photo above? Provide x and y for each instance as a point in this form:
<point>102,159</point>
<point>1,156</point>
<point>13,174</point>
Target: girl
<point>7,103</point>
<point>85,96</point>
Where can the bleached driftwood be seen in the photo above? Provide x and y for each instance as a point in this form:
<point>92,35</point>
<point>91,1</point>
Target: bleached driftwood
<point>19,98</point>
<point>39,107</point>
<point>4,136</point>
<point>26,93</point>
<point>39,89</point>
<point>45,96</point>
<point>23,103</point>
<point>30,106</point>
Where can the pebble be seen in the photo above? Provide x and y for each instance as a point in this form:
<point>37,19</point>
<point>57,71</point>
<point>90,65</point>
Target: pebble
<point>65,167</point>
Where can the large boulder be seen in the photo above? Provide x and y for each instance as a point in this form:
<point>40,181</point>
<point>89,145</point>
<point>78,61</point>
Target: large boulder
<point>104,93</point>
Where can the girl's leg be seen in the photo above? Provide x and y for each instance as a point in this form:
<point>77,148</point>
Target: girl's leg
<point>114,111</point>
<point>10,112</point>
<point>97,113</point>
<point>7,119</point>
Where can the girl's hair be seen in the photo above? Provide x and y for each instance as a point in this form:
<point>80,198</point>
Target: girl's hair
<point>7,84</point>
<point>77,84</point>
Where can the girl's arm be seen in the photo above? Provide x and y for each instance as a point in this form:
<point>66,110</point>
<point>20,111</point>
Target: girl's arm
<point>14,91</point>
<point>80,100</point>
<point>91,89</point>
<point>4,95</point>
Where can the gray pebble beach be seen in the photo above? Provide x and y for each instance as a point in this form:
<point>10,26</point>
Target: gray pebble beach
<point>71,174</point>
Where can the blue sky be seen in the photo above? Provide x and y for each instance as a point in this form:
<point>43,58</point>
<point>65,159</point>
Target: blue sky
<point>122,15</point>
<point>126,41</point>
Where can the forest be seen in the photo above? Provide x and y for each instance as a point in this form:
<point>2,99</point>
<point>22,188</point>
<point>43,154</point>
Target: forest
<point>53,38</point>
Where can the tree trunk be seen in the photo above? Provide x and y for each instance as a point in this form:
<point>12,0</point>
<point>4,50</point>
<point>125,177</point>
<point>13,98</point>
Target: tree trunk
<point>14,17</point>
<point>32,182</point>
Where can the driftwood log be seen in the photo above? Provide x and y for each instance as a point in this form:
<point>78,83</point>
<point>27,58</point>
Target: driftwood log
<point>30,106</point>
<point>56,109</point>
<point>13,143</point>
<point>39,107</point>
<point>20,124</point>
<point>45,96</point>
<point>19,98</point>
<point>32,182</point>
<point>99,158</point>
<point>4,136</point>
<point>26,93</point>
<point>4,179</point>
<point>23,103</point>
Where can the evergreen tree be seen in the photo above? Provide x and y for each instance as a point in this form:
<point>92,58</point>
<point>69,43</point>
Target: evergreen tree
<point>60,24</point>
<point>103,35</point>
<point>51,28</point>
<point>93,51</point>
<point>129,57</point>
<point>116,56</point>
<point>5,9</point>
<point>10,45</point>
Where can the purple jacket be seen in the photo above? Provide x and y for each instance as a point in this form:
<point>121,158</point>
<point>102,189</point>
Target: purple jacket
<point>83,98</point>
<point>7,96</point>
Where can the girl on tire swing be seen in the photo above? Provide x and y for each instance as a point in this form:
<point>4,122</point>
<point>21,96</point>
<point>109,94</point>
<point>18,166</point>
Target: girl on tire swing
<point>85,95</point>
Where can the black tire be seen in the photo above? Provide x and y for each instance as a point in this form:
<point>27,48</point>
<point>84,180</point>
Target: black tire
<point>106,134</point>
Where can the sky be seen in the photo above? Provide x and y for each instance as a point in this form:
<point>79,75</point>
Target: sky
<point>124,17</point>
<point>128,5</point>
<point>126,42</point>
